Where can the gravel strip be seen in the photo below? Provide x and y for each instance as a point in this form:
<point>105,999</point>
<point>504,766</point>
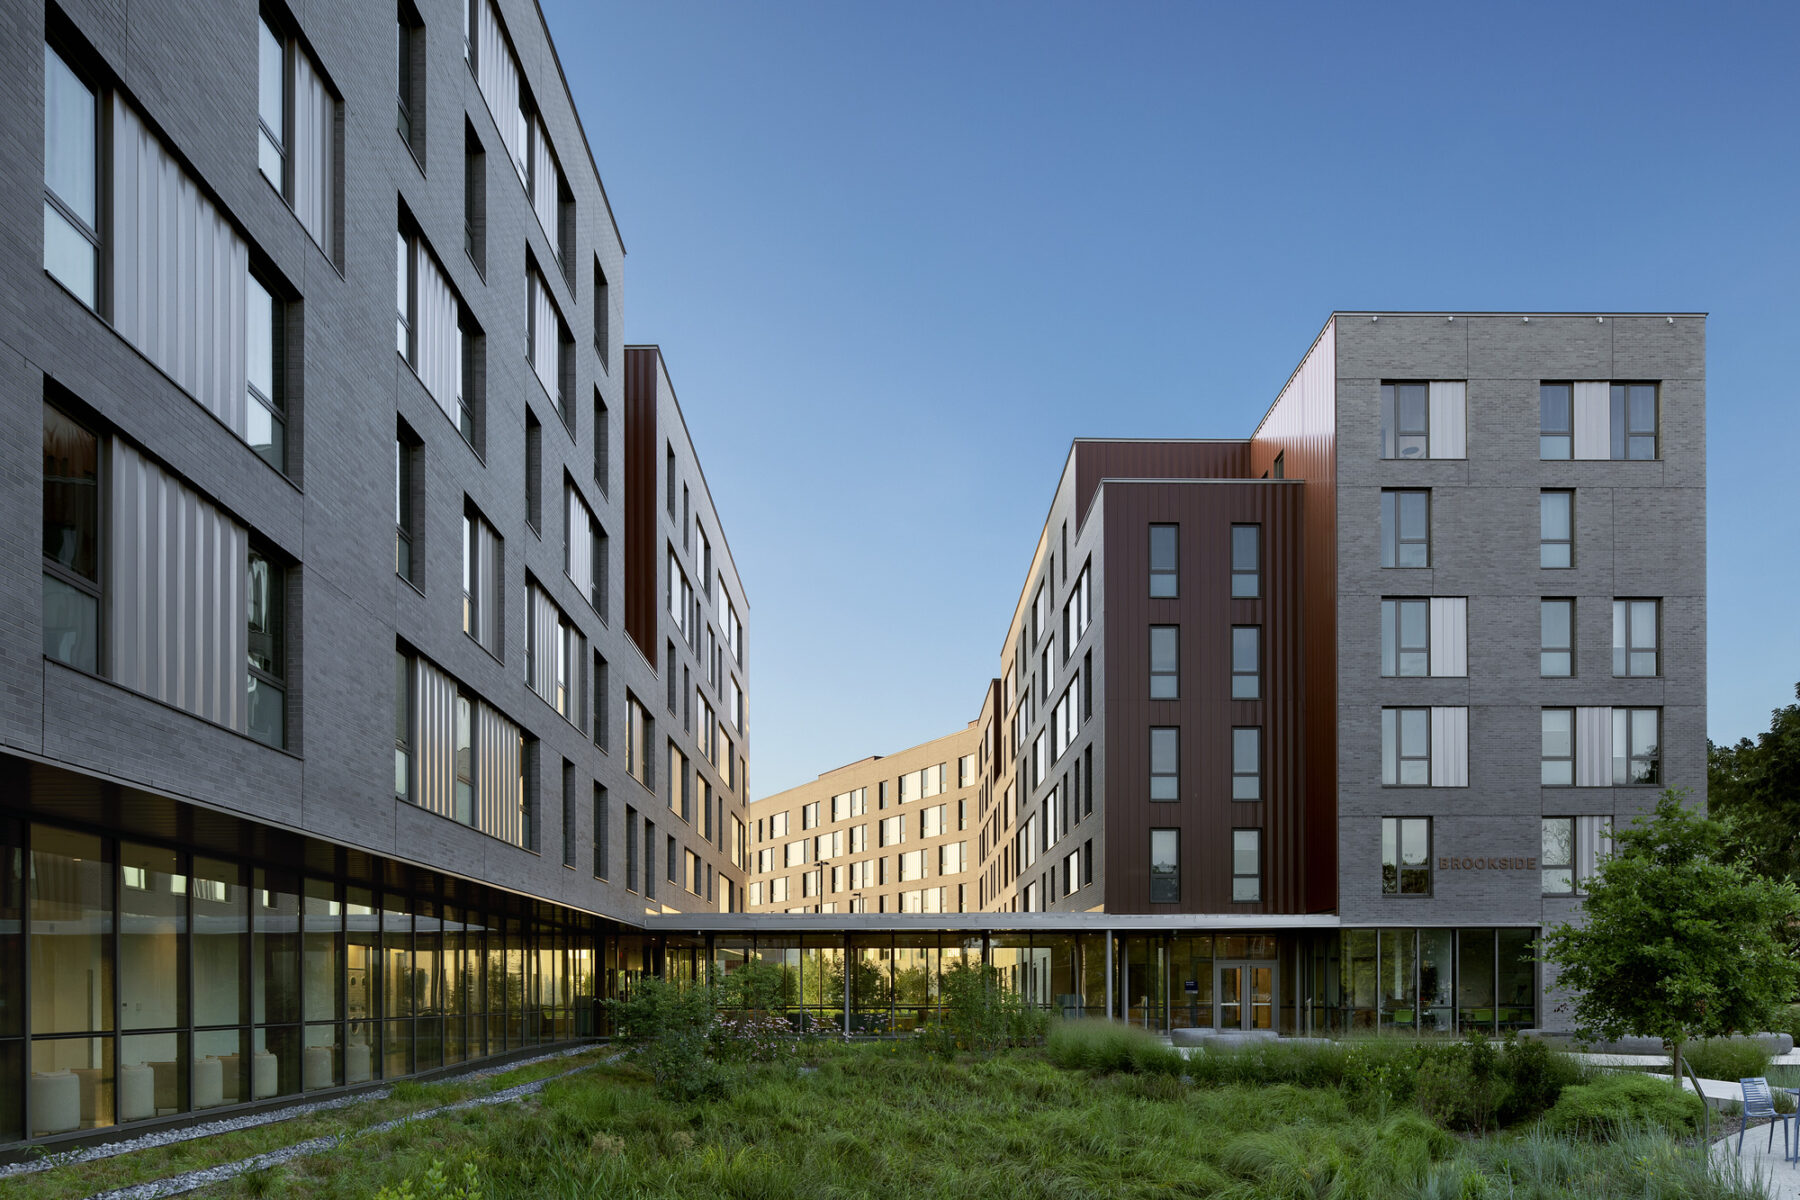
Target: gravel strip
<point>170,1137</point>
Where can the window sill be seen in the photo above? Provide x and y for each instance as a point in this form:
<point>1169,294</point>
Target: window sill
<point>129,691</point>
<point>409,583</point>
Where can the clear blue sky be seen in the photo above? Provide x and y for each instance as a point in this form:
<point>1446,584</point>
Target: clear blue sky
<point>898,255</point>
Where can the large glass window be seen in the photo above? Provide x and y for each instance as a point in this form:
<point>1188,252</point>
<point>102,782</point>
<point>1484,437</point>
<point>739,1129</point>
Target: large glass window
<point>464,750</point>
<point>271,107</point>
<point>1165,764</point>
<point>1635,625</point>
<point>1406,637</point>
<point>1406,856</point>
<point>266,428</point>
<point>1246,561</point>
<point>1246,865</point>
<point>268,661</point>
<point>71,157</point>
<point>1405,528</point>
<point>1633,423</point>
<point>1246,662</point>
<point>71,542</point>
<point>1558,753</point>
<point>1246,763</point>
<point>1405,414</point>
<point>403,722</point>
<point>1164,560</point>
<point>1556,430</point>
<point>1556,528</point>
<point>1406,747</point>
<point>1165,866</point>
<point>1556,624</point>
<point>1636,745</point>
<point>1165,662</point>
<point>152,945</point>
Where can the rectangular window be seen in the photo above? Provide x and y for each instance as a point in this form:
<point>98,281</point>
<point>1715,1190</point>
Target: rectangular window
<point>631,849</point>
<point>1571,851</point>
<point>1165,662</point>
<point>1087,862</point>
<point>1165,764</point>
<point>1246,866</point>
<point>268,653</point>
<point>602,316</point>
<point>568,813</point>
<point>1558,751</point>
<point>1246,662</point>
<point>1246,763</point>
<point>1165,544</point>
<point>1406,637</point>
<point>640,732</point>
<point>1556,427</point>
<point>462,751</point>
<point>1405,427</point>
<point>674,861</point>
<point>481,581</point>
<point>298,131</point>
<point>437,336</point>
<point>1406,856</point>
<point>474,199</point>
<point>534,473</point>
<point>1246,561</point>
<point>1633,421</point>
<point>1556,636</point>
<point>809,815</point>
<point>265,414</point>
<point>71,174</point>
<point>1635,637</point>
<point>71,538</point>
<point>602,833</point>
<point>403,725</point>
<point>408,458</point>
<point>1165,866</point>
<point>1406,747</point>
<point>1405,528</point>
<point>409,80</point>
<point>271,108</point>
<point>1636,745</point>
<point>547,341</point>
<point>602,704</point>
<point>1556,528</point>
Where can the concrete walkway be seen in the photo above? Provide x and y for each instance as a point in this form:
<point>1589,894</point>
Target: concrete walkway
<point>1782,1178</point>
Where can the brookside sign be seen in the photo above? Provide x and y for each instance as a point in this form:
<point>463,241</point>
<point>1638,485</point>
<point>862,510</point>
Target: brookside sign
<point>1453,863</point>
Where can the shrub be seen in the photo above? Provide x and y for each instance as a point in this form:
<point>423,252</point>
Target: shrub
<point>1464,1087</point>
<point>1612,1103</point>
<point>670,1025</point>
<point>1535,1076</point>
<point>1727,1058</point>
<point>980,1013</point>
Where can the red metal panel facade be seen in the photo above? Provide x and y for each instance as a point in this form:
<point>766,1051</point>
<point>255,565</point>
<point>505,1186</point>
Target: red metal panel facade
<point>641,499</point>
<point>1098,460</point>
<point>1301,428</point>
<point>1205,713</point>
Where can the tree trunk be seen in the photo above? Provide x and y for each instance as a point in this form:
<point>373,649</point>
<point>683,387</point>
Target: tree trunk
<point>1675,1064</point>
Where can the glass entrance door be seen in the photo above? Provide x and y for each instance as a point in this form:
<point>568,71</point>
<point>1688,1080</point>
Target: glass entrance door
<point>1245,993</point>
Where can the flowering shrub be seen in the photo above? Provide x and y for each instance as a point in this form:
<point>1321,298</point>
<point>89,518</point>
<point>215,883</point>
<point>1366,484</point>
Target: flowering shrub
<point>747,1036</point>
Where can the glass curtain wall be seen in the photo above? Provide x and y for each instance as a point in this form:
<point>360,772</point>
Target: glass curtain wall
<point>164,981</point>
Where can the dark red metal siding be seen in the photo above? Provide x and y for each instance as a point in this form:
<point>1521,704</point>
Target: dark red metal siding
<point>1302,428</point>
<point>1205,713</point>
<point>1095,461</point>
<point>642,495</point>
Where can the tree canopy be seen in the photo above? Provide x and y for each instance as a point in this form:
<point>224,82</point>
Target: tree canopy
<point>1754,787</point>
<point>1679,939</point>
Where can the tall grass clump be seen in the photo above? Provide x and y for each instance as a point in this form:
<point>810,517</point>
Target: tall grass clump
<point>1638,1162</point>
<point>1727,1058</point>
<point>1609,1104</point>
<point>1097,1045</point>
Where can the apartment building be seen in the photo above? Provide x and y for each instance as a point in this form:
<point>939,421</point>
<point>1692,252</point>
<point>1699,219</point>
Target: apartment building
<point>887,834</point>
<point>381,650</point>
<point>1403,656</point>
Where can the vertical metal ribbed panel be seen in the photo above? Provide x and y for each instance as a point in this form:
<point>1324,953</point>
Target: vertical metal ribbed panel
<point>544,335</point>
<point>178,627</point>
<point>439,339</point>
<point>1593,747</point>
<point>546,180</point>
<point>546,624</point>
<point>497,72</point>
<point>499,796</point>
<point>179,272</point>
<point>435,737</point>
<point>1449,747</point>
<point>578,537</point>
<point>1449,635</point>
<point>315,116</point>
<point>1449,421</point>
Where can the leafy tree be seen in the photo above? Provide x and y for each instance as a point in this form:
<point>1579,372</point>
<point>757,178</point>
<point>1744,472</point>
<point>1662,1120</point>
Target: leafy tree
<point>1754,787</point>
<point>1678,941</point>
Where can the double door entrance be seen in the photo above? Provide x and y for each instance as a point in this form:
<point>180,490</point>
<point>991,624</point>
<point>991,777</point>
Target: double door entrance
<point>1243,995</point>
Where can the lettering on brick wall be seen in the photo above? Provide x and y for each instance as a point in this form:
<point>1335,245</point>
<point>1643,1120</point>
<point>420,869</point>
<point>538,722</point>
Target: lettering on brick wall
<point>1451,862</point>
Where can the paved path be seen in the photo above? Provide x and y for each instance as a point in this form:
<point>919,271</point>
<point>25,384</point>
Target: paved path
<point>1782,1178</point>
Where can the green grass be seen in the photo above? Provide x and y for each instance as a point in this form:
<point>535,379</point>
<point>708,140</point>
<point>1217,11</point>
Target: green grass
<point>886,1120</point>
<point>83,1179</point>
